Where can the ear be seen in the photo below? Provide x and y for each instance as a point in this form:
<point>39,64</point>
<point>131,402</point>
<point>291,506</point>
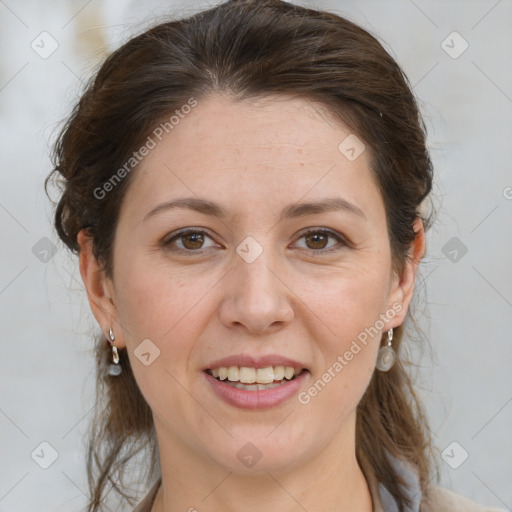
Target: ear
<point>100,290</point>
<point>402,286</point>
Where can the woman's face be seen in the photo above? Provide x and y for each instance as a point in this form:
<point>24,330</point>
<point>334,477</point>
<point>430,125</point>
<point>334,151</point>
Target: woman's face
<point>249,287</point>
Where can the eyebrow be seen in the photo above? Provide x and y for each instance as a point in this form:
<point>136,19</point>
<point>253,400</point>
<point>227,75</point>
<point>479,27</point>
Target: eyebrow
<point>292,211</point>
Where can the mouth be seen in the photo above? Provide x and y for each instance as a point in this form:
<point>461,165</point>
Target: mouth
<point>256,382</point>
<point>255,379</point>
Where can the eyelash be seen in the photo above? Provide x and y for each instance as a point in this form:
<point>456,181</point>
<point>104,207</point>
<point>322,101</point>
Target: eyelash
<point>323,231</point>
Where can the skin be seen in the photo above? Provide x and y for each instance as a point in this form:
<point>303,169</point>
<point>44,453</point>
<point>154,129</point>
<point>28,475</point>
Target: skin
<point>296,300</point>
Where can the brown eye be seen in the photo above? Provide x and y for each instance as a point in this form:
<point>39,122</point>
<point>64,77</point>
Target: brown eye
<point>191,241</point>
<point>318,241</point>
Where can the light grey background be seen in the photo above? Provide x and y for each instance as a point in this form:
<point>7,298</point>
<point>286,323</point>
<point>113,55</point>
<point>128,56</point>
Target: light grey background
<point>46,364</point>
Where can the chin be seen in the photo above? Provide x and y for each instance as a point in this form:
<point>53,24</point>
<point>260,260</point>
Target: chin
<point>256,451</point>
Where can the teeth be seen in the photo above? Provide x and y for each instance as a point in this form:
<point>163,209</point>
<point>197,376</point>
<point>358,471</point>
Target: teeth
<point>289,372</point>
<point>233,373</point>
<point>246,375</point>
<point>265,375</point>
<point>278,372</point>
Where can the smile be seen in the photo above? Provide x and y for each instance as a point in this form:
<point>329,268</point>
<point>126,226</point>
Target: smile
<point>256,378</point>
<point>256,388</point>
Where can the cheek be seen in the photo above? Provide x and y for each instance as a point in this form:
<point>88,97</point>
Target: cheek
<point>347,360</point>
<point>167,309</point>
<point>345,325</point>
<point>155,302</point>
<point>347,302</point>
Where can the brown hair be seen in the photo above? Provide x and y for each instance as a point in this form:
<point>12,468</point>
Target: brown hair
<point>245,49</point>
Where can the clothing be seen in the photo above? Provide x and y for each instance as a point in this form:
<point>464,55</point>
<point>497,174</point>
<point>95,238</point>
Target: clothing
<point>435,498</point>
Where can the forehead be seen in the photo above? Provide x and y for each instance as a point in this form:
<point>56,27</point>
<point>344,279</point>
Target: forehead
<point>273,148</point>
<point>274,122</point>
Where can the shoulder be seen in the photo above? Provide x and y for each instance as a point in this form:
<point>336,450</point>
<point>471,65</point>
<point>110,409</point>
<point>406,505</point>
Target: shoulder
<point>439,499</point>
<point>432,498</point>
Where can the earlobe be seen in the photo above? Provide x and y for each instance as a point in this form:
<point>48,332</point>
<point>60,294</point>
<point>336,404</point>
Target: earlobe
<point>99,288</point>
<point>403,286</point>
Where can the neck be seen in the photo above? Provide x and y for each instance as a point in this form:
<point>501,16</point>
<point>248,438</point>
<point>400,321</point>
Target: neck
<point>332,481</point>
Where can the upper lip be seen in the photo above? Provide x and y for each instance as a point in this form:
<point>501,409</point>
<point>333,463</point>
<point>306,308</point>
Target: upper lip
<point>254,362</point>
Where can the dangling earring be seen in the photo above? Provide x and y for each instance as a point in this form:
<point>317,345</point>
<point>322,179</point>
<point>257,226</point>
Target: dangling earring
<point>114,368</point>
<point>387,356</point>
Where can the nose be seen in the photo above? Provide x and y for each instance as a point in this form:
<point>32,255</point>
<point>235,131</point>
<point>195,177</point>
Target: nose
<point>256,298</point>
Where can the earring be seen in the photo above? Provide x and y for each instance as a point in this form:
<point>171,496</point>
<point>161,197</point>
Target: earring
<point>114,368</point>
<point>387,356</point>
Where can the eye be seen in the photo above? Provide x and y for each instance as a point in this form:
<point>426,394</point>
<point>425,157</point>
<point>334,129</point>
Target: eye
<point>188,240</point>
<point>318,240</point>
<point>193,240</point>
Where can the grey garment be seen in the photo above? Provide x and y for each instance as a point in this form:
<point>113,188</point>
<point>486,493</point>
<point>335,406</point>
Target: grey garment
<point>383,500</point>
<point>434,499</point>
<point>412,491</point>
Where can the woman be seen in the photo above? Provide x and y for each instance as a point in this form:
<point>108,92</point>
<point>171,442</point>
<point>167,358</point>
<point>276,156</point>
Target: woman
<point>244,188</point>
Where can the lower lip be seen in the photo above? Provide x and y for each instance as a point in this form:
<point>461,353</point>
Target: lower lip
<point>264,399</point>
